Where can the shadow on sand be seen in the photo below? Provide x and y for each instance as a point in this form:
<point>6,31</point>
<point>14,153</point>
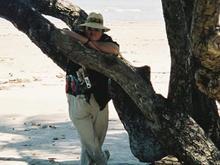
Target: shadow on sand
<point>37,142</point>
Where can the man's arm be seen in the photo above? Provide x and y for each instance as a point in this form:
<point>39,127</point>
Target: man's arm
<point>75,36</point>
<point>106,47</point>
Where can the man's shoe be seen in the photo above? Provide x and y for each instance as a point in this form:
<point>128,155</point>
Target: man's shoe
<point>107,154</point>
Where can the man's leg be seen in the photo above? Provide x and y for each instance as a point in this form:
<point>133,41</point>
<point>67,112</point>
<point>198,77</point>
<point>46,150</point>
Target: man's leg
<point>101,126</point>
<point>76,111</point>
<point>84,157</point>
<point>89,141</point>
<point>80,114</point>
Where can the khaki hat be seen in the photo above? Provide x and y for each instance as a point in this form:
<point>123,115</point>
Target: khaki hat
<point>95,20</point>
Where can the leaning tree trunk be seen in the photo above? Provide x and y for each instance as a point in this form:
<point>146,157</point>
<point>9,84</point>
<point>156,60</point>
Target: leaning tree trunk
<point>206,13</point>
<point>182,89</point>
<point>167,125</point>
<point>206,46</point>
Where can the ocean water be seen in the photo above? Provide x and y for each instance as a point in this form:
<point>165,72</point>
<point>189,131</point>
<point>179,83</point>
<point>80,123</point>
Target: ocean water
<point>124,10</point>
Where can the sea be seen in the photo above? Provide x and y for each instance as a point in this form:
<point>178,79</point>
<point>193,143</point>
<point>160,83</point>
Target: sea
<point>124,10</point>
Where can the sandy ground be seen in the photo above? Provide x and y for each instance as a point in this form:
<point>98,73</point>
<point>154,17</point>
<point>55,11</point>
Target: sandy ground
<point>34,123</point>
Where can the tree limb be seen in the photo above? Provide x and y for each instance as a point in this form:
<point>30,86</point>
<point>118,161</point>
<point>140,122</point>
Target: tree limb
<point>180,85</point>
<point>71,14</point>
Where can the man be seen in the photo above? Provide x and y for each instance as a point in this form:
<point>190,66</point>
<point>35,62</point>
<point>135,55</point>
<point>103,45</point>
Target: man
<point>87,92</point>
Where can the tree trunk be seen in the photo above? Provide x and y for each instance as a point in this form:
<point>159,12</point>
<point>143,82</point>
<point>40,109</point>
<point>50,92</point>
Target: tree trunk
<point>206,46</point>
<point>182,89</point>
<point>166,125</point>
<point>205,110</point>
<point>143,143</point>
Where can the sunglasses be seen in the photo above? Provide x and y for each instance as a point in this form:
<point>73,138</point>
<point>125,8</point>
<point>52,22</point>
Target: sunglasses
<point>94,29</point>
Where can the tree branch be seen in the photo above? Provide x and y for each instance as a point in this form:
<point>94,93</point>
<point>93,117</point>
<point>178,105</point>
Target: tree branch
<point>71,14</point>
<point>180,89</point>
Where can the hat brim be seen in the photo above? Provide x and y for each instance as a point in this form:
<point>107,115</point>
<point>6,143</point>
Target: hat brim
<point>95,25</point>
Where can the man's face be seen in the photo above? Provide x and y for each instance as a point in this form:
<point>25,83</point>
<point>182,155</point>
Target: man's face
<point>93,34</point>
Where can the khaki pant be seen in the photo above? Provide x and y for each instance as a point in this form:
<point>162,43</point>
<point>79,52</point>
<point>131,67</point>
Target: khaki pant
<point>91,124</point>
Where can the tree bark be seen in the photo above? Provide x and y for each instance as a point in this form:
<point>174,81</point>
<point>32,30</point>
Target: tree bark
<point>206,46</point>
<point>182,89</point>
<point>143,143</point>
<point>205,110</point>
<point>171,128</point>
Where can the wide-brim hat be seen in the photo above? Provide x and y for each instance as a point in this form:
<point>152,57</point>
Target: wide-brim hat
<point>95,20</point>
